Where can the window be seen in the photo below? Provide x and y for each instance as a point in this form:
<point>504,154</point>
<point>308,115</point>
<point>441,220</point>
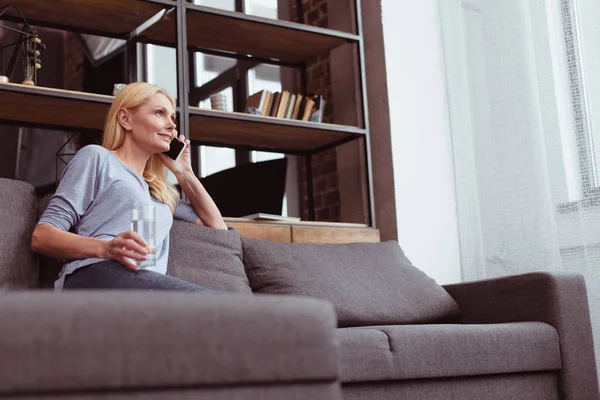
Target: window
<point>582,45</point>
<point>262,8</point>
<point>164,76</point>
<point>208,67</point>
<point>215,159</point>
<point>228,5</point>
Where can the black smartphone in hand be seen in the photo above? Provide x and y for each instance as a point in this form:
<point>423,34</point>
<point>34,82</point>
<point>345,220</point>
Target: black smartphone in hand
<point>175,150</point>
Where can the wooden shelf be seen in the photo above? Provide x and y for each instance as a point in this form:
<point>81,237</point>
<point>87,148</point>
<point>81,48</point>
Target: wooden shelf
<point>298,223</point>
<point>238,33</point>
<point>114,18</point>
<point>304,232</point>
<point>265,133</point>
<point>64,109</point>
<point>53,107</point>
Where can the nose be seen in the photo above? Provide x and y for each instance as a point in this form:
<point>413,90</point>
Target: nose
<point>171,125</point>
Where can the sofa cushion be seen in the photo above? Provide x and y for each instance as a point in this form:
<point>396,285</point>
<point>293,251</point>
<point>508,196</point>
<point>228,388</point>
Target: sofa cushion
<point>382,353</point>
<point>368,283</point>
<point>18,264</point>
<point>207,257</point>
<point>49,267</point>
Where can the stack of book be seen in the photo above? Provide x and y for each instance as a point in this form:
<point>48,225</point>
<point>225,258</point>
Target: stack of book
<point>286,105</point>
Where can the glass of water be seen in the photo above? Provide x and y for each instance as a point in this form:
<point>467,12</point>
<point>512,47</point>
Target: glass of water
<point>143,222</point>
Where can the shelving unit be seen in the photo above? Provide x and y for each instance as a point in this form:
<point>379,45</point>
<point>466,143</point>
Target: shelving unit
<point>189,27</point>
<point>245,131</point>
<point>241,34</point>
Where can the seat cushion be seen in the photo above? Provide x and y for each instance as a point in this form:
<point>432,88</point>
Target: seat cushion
<point>207,257</point>
<point>368,283</point>
<point>381,353</point>
<point>526,386</point>
<point>18,264</point>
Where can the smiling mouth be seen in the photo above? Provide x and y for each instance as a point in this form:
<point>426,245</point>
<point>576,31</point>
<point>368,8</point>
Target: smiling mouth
<point>167,137</point>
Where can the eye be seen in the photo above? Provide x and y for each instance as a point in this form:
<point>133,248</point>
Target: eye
<point>158,113</point>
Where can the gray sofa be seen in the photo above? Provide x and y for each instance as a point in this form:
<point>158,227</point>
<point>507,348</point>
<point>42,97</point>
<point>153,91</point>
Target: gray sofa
<point>354,321</point>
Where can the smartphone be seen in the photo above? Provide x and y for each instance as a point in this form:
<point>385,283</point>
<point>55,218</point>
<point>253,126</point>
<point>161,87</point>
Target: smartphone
<point>175,149</point>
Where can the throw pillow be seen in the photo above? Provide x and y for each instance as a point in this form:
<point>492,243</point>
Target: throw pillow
<point>207,257</point>
<point>368,283</point>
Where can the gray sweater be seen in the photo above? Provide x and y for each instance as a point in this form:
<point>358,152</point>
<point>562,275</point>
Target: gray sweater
<point>94,199</point>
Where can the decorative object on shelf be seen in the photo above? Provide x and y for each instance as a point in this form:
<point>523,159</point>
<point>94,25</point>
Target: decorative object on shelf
<point>318,109</point>
<point>32,50</point>
<point>29,44</point>
<point>254,111</point>
<point>218,101</point>
<point>270,217</point>
<point>117,87</point>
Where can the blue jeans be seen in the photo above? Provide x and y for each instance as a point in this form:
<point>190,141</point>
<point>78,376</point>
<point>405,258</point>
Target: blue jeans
<point>114,275</point>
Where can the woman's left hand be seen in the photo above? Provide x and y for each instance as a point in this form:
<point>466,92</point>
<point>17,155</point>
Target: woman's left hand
<point>183,164</point>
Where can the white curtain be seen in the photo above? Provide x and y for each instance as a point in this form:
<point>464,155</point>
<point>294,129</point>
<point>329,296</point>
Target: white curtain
<point>519,97</point>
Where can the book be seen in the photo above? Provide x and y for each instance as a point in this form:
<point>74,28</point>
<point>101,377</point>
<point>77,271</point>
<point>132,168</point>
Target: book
<point>257,100</point>
<point>297,107</point>
<point>283,104</point>
<point>275,106</point>
<point>290,108</point>
<point>302,107</point>
<point>271,217</point>
<point>308,109</point>
<point>266,110</point>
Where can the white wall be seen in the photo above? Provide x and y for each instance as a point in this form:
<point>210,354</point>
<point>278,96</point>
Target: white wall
<point>423,167</point>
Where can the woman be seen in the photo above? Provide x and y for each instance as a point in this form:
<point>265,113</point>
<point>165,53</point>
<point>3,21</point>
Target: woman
<point>88,218</point>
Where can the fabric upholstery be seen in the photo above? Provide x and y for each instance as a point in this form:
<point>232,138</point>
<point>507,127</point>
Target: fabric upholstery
<point>207,257</point>
<point>115,340</point>
<point>538,386</point>
<point>49,267</point>
<point>204,256</point>
<point>303,391</point>
<point>18,264</point>
<point>558,299</point>
<point>368,283</point>
<point>381,353</point>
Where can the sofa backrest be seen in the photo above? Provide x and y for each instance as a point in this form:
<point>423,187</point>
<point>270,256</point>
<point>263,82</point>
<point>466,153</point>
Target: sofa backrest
<point>204,256</point>
<point>49,267</point>
<point>18,216</point>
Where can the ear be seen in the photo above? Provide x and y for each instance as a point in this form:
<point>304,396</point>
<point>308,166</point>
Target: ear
<point>124,118</point>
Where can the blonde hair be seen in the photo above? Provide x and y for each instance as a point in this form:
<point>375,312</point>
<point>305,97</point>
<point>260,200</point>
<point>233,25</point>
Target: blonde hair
<point>130,98</point>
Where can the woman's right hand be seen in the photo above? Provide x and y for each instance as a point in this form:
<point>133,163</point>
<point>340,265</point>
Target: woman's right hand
<point>127,245</point>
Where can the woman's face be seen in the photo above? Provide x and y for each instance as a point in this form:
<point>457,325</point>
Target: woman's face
<point>152,125</point>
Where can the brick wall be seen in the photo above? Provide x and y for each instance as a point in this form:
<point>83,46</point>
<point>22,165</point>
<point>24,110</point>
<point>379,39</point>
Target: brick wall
<point>74,58</point>
<point>325,177</point>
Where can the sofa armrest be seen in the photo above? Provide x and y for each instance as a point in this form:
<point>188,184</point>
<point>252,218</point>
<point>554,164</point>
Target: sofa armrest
<point>94,340</point>
<point>558,299</point>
